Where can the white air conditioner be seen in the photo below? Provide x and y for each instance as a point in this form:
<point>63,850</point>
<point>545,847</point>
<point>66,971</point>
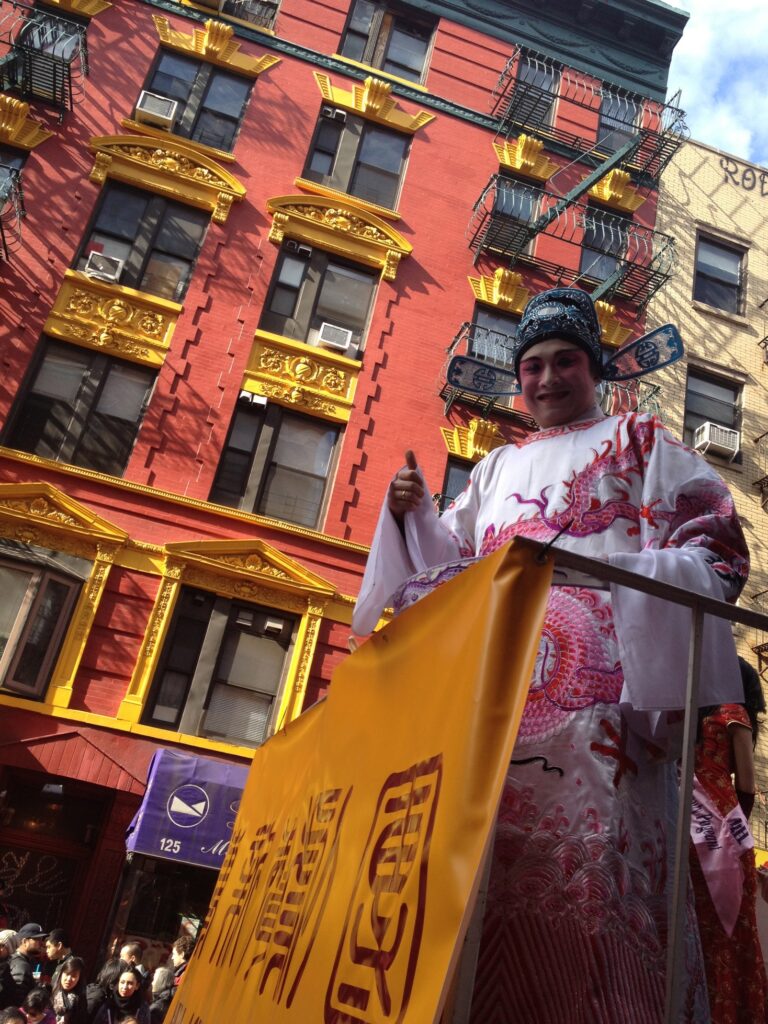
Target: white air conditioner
<point>334,337</point>
<point>711,437</point>
<point>103,267</point>
<point>157,110</point>
<point>334,114</point>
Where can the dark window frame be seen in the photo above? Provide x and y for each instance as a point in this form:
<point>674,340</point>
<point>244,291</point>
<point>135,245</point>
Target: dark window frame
<point>701,407</point>
<point>196,670</point>
<point>192,108</point>
<point>452,488</point>
<point>372,46</point>
<point>706,285</point>
<point>81,412</point>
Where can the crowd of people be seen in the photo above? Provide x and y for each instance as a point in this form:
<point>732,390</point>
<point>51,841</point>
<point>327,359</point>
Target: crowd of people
<point>42,981</point>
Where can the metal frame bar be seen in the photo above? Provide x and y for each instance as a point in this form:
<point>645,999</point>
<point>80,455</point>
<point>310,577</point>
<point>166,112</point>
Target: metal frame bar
<point>700,606</point>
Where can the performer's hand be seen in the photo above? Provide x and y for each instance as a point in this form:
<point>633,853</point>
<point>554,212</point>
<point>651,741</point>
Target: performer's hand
<point>406,490</point>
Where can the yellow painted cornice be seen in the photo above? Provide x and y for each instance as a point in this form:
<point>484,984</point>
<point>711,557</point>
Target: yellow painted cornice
<point>474,441</point>
<point>613,332</point>
<point>170,168</point>
<point>372,100</point>
<point>27,506</point>
<point>340,227</point>
<point>17,128</point>
<point>526,156</point>
<point>316,189</point>
<point>503,289</point>
<point>307,377</point>
<point>84,8</point>
<point>379,73</point>
<point>615,191</point>
<point>214,43</point>
<point>110,317</point>
<point>251,559</point>
<point>163,133</point>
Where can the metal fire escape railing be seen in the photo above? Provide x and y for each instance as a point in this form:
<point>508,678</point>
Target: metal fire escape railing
<point>256,12</point>
<point>526,94</point>
<point>489,346</point>
<point>624,258</point>
<point>11,210</point>
<point>630,396</point>
<point>46,57</point>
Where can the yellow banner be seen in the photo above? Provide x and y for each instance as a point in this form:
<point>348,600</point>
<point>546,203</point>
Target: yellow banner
<point>356,851</point>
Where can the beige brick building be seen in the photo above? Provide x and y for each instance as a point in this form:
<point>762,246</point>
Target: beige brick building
<point>716,207</point>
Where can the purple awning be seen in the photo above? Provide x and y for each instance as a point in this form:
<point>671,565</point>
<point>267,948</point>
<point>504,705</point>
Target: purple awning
<point>189,809</point>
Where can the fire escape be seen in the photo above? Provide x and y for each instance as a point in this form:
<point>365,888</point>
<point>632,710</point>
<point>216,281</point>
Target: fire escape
<point>262,13</point>
<point>617,257</point>
<point>11,210</point>
<point>43,57</point>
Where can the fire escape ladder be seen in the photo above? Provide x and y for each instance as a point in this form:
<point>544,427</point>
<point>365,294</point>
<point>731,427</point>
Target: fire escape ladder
<point>11,210</point>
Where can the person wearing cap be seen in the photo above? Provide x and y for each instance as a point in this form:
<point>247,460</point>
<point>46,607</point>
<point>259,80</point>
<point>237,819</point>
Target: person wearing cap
<point>576,920</point>
<point>28,952</point>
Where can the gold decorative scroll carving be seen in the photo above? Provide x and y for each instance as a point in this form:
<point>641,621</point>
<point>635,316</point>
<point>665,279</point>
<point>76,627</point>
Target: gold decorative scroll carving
<point>30,510</point>
<point>474,441</point>
<point>17,128</point>
<point>614,190</point>
<point>169,168</point>
<point>294,374</point>
<point>341,228</point>
<point>214,43</point>
<point>374,101</point>
<point>504,289</point>
<point>525,155</point>
<point>125,322</point>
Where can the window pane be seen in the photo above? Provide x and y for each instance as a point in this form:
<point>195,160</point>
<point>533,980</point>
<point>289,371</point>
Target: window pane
<point>618,115</point>
<point>125,392</point>
<point>107,245</point>
<point>326,144</point>
<point>537,85</point>
<point>182,231</point>
<point>165,276</point>
<point>253,662</point>
<point>720,390</point>
<point>407,50</point>
<point>174,77</point>
<point>291,271</point>
<point>112,427</point>
<point>345,297</point>
<point>513,199</point>
<point>14,584</point>
<point>121,212</point>
<point>305,445</point>
<point>237,714</point>
<point>61,374</point>
<point>359,28</point>
<point>40,635</point>
<point>235,464</point>
<point>292,496</point>
<point>718,262</point>
<point>171,696</point>
<point>382,149</point>
<point>717,294</point>
<point>212,129</point>
<point>226,94</point>
<point>456,478</point>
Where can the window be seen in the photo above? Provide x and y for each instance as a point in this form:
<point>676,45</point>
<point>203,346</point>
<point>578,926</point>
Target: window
<point>388,36</point>
<point>492,336</point>
<point>605,242</point>
<point>81,407</point>
<point>317,298</point>
<point>156,240</point>
<point>222,668</point>
<point>11,162</point>
<point>710,399</point>
<point>352,155</point>
<point>516,200</point>
<point>618,120</point>
<point>39,589</point>
<point>456,476</point>
<point>211,101</point>
<point>536,91</point>
<point>718,277</point>
<point>275,462</point>
<point>256,12</point>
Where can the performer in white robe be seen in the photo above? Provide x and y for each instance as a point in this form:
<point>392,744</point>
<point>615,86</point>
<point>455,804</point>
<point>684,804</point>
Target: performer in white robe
<point>575,929</point>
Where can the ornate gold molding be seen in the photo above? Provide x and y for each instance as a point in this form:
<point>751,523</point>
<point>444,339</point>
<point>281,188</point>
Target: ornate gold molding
<point>474,441</point>
<point>39,513</point>
<point>372,100</point>
<point>85,8</point>
<point>291,373</point>
<point>503,289</point>
<point>613,332</point>
<point>292,698</point>
<point>17,128</point>
<point>162,133</point>
<point>615,191</point>
<point>172,169</point>
<point>122,321</point>
<point>339,227</point>
<point>214,43</point>
<point>526,156</point>
<point>343,197</point>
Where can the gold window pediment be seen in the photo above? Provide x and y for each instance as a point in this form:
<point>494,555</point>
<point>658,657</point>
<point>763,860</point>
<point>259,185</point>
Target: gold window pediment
<point>310,378</point>
<point>84,8</point>
<point>214,43</point>
<point>17,128</point>
<point>503,289</point>
<point>526,156</point>
<point>169,168</point>
<point>613,332</point>
<point>339,227</point>
<point>615,191</point>
<point>39,513</point>
<point>474,441</point>
<point>372,100</point>
<point>119,320</point>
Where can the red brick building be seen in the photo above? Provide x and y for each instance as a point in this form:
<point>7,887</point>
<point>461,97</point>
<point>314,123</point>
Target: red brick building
<point>239,243</point>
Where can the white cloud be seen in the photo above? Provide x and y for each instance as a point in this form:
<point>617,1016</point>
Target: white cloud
<point>721,65</point>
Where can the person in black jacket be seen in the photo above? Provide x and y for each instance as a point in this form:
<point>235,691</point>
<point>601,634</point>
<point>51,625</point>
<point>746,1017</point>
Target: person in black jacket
<point>7,984</point>
<point>69,1001</point>
<point>163,991</point>
<point>28,952</point>
<point>98,991</point>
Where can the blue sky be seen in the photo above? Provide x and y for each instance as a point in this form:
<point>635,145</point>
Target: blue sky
<point>721,65</point>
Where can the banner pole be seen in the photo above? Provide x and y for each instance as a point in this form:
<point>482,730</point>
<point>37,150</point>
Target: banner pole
<point>675,982</point>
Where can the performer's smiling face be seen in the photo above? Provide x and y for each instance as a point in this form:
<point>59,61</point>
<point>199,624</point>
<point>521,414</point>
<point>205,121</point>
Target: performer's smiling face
<point>558,382</point>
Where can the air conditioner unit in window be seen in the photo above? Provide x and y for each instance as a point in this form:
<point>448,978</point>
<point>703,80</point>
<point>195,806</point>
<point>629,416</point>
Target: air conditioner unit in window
<point>305,251</point>
<point>334,114</point>
<point>334,337</point>
<point>717,440</point>
<point>157,110</point>
<point>103,267</point>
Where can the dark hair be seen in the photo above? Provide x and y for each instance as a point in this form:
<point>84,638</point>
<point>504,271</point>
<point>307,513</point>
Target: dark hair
<point>38,1000</point>
<point>11,1015</point>
<point>109,973</point>
<point>72,963</point>
<point>754,700</point>
<point>184,945</point>
<point>134,949</point>
<point>58,935</point>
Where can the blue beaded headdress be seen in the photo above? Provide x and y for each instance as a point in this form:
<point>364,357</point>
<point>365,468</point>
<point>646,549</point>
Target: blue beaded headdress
<point>559,313</point>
